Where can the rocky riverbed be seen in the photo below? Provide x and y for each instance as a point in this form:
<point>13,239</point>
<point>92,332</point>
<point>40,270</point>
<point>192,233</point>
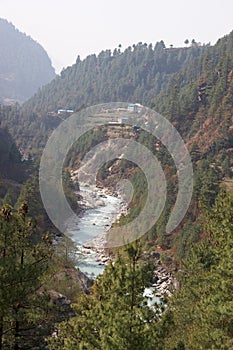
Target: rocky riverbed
<point>164,282</point>
<point>100,209</point>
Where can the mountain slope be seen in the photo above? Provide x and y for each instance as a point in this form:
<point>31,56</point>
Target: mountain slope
<point>13,171</point>
<point>137,74</point>
<point>198,99</point>
<point>24,64</point>
<point>191,86</point>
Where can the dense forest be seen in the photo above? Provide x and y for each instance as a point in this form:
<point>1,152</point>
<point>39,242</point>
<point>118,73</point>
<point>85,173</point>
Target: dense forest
<point>198,316</point>
<point>24,65</point>
<point>137,74</point>
<point>46,303</point>
<point>193,84</point>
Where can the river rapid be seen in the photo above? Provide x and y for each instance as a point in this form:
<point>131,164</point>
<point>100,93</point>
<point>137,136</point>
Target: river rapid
<point>100,210</point>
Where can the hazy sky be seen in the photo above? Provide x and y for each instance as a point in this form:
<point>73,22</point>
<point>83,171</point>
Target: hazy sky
<point>67,28</point>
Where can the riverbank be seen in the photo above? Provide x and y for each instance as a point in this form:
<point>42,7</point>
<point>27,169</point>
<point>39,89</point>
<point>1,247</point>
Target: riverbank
<point>100,209</point>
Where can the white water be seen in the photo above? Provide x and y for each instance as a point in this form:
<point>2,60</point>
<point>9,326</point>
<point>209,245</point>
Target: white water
<point>95,221</point>
<point>104,210</point>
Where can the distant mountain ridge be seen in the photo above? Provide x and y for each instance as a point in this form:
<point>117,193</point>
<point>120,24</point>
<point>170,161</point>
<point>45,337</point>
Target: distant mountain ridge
<point>191,86</point>
<point>138,73</point>
<point>24,65</point>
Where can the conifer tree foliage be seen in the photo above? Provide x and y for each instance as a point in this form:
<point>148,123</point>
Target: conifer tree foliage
<point>23,265</point>
<point>138,73</point>
<point>200,95</point>
<point>115,316</point>
<point>202,308</point>
<point>11,166</point>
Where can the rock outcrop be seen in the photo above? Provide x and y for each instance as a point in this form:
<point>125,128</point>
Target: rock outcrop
<point>164,281</point>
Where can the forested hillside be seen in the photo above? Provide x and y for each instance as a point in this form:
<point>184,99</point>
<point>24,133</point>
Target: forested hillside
<point>13,172</point>
<point>198,316</point>
<point>24,65</point>
<point>137,74</point>
<point>32,274</point>
<point>193,88</point>
<point>198,99</point>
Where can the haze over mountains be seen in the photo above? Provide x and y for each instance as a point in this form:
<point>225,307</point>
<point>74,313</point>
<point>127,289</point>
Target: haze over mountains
<point>191,86</point>
<point>24,65</point>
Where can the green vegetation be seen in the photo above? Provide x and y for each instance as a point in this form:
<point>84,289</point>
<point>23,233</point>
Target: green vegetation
<point>200,95</point>
<point>115,316</point>
<point>23,266</point>
<point>35,281</point>
<point>198,316</point>
<point>11,167</point>
<point>137,74</point>
<point>192,87</point>
<point>202,306</point>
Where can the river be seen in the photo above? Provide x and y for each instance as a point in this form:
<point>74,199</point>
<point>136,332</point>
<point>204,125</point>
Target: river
<point>101,210</point>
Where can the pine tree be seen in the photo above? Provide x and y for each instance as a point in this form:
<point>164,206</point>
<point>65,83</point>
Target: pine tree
<point>202,309</point>
<point>23,265</point>
<point>115,316</point>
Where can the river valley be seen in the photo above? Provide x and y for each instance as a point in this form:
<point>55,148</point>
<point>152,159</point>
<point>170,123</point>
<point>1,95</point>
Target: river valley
<point>101,209</point>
